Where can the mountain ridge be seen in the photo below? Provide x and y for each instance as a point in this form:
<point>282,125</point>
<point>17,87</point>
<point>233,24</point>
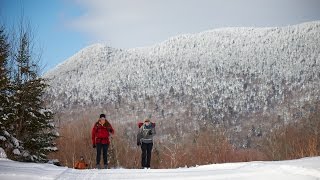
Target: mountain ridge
<point>102,45</point>
<point>224,77</point>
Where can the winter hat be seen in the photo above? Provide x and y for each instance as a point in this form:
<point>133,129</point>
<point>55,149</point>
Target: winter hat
<point>102,116</point>
<point>147,120</point>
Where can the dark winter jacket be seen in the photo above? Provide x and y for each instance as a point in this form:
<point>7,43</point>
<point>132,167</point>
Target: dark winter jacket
<point>101,133</point>
<point>146,133</point>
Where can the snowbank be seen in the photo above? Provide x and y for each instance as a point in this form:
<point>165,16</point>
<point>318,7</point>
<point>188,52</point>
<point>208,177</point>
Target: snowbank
<point>302,169</point>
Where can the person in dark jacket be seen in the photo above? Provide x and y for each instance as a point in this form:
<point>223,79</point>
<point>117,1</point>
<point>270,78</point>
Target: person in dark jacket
<point>101,132</point>
<point>145,140</point>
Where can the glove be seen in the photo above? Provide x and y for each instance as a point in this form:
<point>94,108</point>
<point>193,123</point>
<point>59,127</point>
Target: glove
<point>94,146</point>
<point>138,143</point>
<point>150,133</point>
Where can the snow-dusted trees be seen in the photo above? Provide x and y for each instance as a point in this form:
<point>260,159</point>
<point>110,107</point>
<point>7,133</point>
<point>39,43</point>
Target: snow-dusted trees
<point>27,130</point>
<point>4,90</point>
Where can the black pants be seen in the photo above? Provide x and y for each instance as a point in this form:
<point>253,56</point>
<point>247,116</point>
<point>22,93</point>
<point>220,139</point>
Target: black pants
<point>146,154</point>
<point>104,148</point>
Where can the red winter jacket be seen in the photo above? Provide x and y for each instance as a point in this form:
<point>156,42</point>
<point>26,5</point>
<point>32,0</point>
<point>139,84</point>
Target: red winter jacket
<point>100,133</point>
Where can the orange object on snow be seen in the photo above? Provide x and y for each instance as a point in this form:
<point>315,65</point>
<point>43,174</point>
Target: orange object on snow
<point>81,164</point>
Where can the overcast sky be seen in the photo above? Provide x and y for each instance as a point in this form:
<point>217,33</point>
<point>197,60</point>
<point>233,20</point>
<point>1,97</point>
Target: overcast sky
<point>66,26</point>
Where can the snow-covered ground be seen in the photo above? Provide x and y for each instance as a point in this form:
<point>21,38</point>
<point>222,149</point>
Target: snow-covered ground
<point>306,168</point>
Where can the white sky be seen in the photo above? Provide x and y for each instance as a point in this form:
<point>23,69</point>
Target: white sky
<point>135,23</point>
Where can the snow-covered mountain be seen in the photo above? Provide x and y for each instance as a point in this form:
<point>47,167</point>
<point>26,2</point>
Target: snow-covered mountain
<point>223,76</point>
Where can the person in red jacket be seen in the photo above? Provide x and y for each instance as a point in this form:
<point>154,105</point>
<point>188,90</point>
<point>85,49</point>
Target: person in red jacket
<point>100,139</point>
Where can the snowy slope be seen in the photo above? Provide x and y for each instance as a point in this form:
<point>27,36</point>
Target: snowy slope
<point>195,61</point>
<point>301,169</point>
<point>231,77</point>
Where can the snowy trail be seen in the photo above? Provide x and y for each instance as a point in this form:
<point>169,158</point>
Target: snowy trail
<point>306,169</point>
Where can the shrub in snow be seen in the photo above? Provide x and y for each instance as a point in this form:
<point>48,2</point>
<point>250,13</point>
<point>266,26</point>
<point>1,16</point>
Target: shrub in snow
<point>16,152</point>
<point>2,153</point>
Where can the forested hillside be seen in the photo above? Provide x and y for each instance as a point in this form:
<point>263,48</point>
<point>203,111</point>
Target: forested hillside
<point>246,80</point>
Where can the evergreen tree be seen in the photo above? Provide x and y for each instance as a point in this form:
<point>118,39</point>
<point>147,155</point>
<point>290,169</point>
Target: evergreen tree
<point>5,110</point>
<point>27,130</point>
<point>33,124</point>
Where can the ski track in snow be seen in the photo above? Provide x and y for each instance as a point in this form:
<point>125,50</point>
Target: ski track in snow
<point>306,169</point>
